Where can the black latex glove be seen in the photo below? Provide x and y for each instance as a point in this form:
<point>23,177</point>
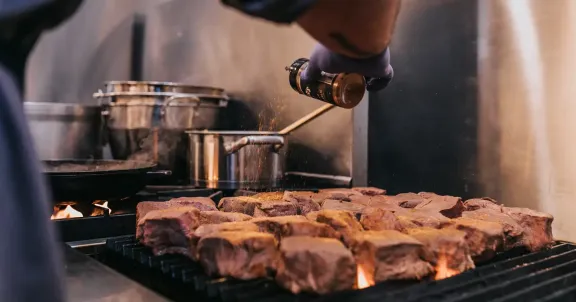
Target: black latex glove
<point>377,70</point>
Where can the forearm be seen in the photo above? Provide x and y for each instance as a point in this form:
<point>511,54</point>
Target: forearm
<point>358,29</point>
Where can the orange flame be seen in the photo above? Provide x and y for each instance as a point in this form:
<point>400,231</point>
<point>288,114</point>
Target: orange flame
<point>68,212</point>
<point>104,206</point>
<point>363,280</point>
<point>442,269</point>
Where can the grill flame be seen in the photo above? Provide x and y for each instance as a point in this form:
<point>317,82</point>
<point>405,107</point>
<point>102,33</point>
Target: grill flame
<point>103,206</point>
<point>362,278</point>
<point>68,212</point>
<point>442,269</point>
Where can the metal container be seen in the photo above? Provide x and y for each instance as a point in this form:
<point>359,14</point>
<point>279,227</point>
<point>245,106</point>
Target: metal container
<point>149,86</point>
<point>344,90</point>
<point>150,126</point>
<point>65,131</point>
<point>236,159</point>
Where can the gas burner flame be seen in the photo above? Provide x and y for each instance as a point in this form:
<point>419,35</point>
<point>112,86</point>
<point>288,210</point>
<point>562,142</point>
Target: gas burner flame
<point>442,269</point>
<point>103,204</point>
<point>68,212</point>
<point>362,278</point>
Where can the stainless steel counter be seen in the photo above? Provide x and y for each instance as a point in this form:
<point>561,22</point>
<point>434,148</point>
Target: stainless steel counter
<point>89,280</point>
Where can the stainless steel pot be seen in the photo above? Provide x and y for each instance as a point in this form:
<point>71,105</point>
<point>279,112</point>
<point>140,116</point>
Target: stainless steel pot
<point>236,159</point>
<point>150,126</point>
<point>140,110</point>
<point>65,131</point>
<point>149,86</point>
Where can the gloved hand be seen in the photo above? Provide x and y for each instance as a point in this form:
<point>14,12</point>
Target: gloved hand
<point>377,70</point>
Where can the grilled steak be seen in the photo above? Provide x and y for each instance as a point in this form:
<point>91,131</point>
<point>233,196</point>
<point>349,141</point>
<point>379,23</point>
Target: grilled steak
<point>449,206</point>
<point>269,196</point>
<point>275,208</point>
<point>537,227</point>
<point>482,203</point>
<point>287,226</point>
<point>201,203</point>
<point>390,255</point>
<point>340,194</point>
<point>405,200</point>
<point>239,254</point>
<point>369,191</point>
<point>484,238</point>
<point>316,265</point>
<point>342,221</point>
<point>331,204</point>
<point>305,201</point>
<point>169,230</point>
<point>513,232</point>
<point>207,217</point>
<point>239,204</point>
<point>207,229</point>
<point>412,218</point>
<point>375,219</point>
<point>447,246</point>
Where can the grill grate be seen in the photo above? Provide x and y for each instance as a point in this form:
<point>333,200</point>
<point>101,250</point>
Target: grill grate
<point>513,276</point>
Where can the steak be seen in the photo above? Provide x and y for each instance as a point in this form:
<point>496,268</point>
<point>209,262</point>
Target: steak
<point>482,203</point>
<point>369,191</point>
<point>447,246</point>
<point>331,204</point>
<point>315,265</point>
<point>343,194</point>
<point>207,229</point>
<point>239,204</point>
<point>305,201</point>
<point>286,226</point>
<point>405,200</point>
<point>484,238</point>
<point>275,208</point>
<point>201,203</point>
<point>169,230</point>
<point>537,227</point>
<point>390,255</point>
<point>208,217</point>
<point>412,218</point>
<point>269,196</point>
<point>375,219</point>
<point>449,206</point>
<point>378,201</point>
<point>513,232</point>
<point>238,254</point>
<point>342,221</point>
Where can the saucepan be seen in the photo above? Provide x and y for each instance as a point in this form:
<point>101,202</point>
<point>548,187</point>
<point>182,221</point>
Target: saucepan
<point>241,159</point>
<point>90,180</point>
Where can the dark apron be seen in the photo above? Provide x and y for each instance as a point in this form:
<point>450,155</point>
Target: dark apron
<point>31,268</point>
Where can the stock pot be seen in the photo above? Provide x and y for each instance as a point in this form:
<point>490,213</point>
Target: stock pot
<point>236,159</point>
<point>145,121</point>
<point>64,131</point>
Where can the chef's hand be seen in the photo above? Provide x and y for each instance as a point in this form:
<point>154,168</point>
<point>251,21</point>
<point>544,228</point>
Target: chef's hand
<point>376,69</point>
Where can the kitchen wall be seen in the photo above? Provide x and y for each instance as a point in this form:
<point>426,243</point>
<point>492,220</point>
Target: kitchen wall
<point>528,106</point>
<point>198,42</point>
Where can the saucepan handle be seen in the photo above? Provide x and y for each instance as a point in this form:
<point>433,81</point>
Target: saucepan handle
<point>275,140</point>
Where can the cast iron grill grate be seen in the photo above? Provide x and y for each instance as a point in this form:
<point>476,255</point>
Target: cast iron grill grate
<point>548,275</point>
